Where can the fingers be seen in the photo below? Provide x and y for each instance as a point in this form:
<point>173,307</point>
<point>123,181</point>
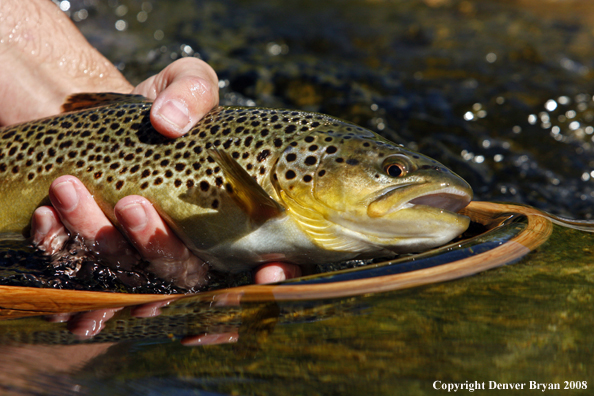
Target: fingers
<point>48,233</point>
<point>276,272</point>
<point>184,92</point>
<point>79,213</point>
<point>76,209</point>
<point>170,259</point>
<point>89,324</point>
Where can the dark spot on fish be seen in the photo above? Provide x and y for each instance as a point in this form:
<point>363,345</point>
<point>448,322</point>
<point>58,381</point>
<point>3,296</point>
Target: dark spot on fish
<point>321,173</point>
<point>311,160</point>
<point>177,182</point>
<point>313,147</point>
<point>204,186</point>
<point>352,161</point>
<point>144,185</point>
<point>190,183</point>
<point>263,155</point>
<point>66,124</point>
<point>315,124</point>
<point>168,173</point>
<point>262,170</point>
<point>47,140</point>
<point>119,184</point>
<point>158,181</point>
<point>180,166</point>
<point>134,169</point>
<point>80,164</point>
<point>290,175</point>
<point>339,160</point>
<point>309,139</point>
<point>109,179</point>
<point>259,144</point>
<point>145,173</point>
<point>219,181</point>
<point>30,176</point>
<point>196,165</point>
<point>215,204</point>
<point>235,154</point>
<point>264,132</point>
<point>307,178</point>
<point>331,150</point>
<point>291,157</point>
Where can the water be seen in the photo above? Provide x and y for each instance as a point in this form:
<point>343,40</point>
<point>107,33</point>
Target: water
<point>501,92</point>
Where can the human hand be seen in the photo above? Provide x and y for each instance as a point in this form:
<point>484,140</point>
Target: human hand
<point>184,91</point>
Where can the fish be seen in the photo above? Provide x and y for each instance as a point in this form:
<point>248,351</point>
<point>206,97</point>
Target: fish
<point>245,186</point>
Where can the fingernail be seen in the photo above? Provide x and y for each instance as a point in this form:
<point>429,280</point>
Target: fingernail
<point>66,196</point>
<point>176,113</point>
<point>134,216</point>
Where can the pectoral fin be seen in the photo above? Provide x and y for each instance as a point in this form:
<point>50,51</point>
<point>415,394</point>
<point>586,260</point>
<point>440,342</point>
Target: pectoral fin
<point>245,191</point>
<point>90,100</point>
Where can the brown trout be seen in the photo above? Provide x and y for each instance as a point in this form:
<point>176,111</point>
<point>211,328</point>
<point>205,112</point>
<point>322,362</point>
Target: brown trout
<point>245,186</point>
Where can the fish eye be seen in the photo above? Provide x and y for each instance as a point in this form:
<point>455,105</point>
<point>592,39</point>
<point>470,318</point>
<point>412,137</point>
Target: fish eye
<point>396,166</point>
<point>395,170</point>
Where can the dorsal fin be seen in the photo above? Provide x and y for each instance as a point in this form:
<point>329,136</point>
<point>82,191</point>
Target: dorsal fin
<point>245,191</point>
<point>90,100</point>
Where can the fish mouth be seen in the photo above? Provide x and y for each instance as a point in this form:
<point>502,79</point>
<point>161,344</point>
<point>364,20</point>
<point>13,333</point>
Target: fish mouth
<point>448,199</point>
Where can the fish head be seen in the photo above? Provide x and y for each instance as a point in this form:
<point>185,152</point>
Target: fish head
<point>354,190</point>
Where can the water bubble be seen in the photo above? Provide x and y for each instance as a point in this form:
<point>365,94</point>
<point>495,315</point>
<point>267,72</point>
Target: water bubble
<point>477,106</point>
<point>564,100</point>
<point>582,97</point>
<point>146,6</point>
<point>374,107</point>
<point>532,119</point>
<point>550,105</point>
<point>574,125</point>
<point>142,16</point>
<point>482,113</point>
<point>589,130</point>
<point>65,5</point>
<point>486,143</point>
<point>500,100</point>
<point>121,25</point>
<point>517,129</point>
<point>468,116</point>
<point>570,114</point>
<point>479,159</point>
<point>498,158</point>
<point>585,176</point>
<point>158,35</point>
<point>121,10</point>
<point>491,57</point>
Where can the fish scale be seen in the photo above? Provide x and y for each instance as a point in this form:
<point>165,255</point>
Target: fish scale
<point>244,186</point>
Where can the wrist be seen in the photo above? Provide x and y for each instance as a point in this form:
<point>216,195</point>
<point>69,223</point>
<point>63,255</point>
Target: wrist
<point>43,59</point>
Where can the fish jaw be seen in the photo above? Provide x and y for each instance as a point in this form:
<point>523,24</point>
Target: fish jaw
<point>411,217</point>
